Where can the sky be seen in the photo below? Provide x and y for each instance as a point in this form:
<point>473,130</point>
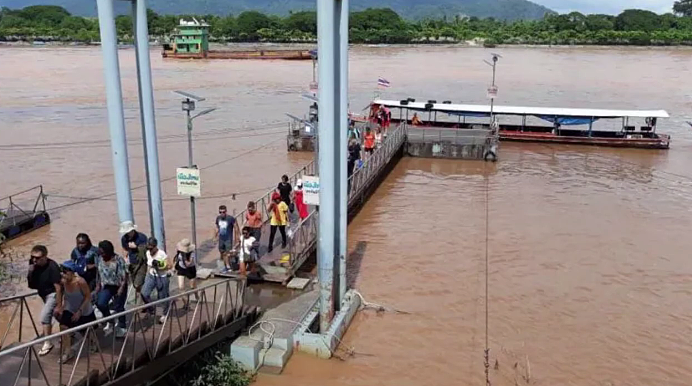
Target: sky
<point>612,7</point>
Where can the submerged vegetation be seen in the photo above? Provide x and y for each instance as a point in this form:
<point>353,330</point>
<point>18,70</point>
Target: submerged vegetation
<point>373,26</point>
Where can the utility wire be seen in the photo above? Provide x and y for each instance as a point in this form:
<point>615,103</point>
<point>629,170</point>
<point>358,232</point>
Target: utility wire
<point>72,145</point>
<point>165,179</point>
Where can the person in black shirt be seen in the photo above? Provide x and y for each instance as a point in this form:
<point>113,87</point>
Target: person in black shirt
<point>44,276</point>
<point>285,189</point>
<point>353,157</point>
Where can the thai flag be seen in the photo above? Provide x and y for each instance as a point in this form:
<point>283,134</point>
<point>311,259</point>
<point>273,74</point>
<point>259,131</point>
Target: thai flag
<point>382,82</point>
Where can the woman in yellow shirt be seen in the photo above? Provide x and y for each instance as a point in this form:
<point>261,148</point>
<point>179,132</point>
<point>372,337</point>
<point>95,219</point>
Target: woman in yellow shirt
<point>279,219</point>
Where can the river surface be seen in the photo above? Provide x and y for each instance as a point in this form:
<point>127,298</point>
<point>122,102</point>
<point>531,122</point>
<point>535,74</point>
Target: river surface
<point>590,278</point>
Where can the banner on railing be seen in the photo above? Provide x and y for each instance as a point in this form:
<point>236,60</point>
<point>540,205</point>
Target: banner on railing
<point>311,190</point>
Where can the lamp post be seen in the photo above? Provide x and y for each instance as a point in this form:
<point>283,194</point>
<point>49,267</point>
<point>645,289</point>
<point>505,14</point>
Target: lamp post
<point>493,89</point>
<point>188,106</point>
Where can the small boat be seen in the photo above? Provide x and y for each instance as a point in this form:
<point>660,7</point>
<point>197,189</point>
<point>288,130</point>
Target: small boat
<point>523,124</point>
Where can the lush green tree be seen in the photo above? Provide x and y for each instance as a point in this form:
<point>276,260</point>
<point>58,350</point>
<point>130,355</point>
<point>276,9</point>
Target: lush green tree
<point>305,21</point>
<point>599,22</point>
<point>49,15</point>
<point>250,22</point>
<point>637,20</point>
<point>683,7</point>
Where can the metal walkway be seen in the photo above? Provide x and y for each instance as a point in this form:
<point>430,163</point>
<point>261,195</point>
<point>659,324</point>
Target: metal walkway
<point>302,238</point>
<point>147,350</point>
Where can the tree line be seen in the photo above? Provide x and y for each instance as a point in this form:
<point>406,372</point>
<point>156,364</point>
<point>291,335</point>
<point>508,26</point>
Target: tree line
<point>373,26</point>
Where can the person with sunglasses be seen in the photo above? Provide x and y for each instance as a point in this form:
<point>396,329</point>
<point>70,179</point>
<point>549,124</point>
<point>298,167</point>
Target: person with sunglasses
<point>75,307</point>
<point>225,225</point>
<point>44,276</point>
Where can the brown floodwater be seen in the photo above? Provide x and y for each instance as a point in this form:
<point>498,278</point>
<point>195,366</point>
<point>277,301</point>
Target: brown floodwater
<point>589,280</point>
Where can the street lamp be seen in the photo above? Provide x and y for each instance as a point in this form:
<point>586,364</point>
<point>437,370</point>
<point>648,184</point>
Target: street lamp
<point>188,106</point>
<point>492,92</point>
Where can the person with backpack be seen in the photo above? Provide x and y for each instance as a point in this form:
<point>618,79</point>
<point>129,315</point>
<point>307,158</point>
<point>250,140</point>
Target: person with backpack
<point>186,268</point>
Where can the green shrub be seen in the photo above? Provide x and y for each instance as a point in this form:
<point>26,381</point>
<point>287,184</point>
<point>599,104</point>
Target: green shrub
<point>224,371</point>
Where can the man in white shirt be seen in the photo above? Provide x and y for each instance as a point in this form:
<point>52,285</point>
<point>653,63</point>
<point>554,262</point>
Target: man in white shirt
<point>158,276</point>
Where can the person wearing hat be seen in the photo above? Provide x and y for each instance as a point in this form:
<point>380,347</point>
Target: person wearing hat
<point>74,309</point>
<point>298,198</point>
<point>185,267</point>
<point>279,219</point>
<point>131,241</point>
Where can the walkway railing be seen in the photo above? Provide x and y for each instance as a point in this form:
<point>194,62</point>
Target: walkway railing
<point>305,234</point>
<point>100,359</point>
<point>454,136</point>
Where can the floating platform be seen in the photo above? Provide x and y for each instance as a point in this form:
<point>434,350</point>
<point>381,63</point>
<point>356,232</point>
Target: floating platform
<point>242,55</point>
<point>23,212</point>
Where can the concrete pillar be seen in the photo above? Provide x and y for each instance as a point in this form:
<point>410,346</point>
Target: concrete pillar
<point>114,102</point>
<point>329,165</point>
<point>147,111</point>
<point>342,9</point>
<point>141,118</point>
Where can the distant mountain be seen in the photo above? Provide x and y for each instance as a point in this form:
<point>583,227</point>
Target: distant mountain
<point>411,9</point>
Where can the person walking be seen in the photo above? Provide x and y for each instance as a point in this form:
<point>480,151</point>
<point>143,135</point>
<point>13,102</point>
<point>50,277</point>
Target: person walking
<point>44,276</point>
<point>279,219</point>
<point>186,268</point>
<point>158,277</point>
<point>225,225</point>
<point>112,285</point>
<point>285,190</point>
<point>131,241</point>
<point>247,251</point>
<point>301,207</point>
<point>369,142</point>
<point>82,252</point>
<point>253,220</point>
<point>74,307</point>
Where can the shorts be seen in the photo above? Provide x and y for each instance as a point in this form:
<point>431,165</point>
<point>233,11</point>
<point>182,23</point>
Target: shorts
<point>189,272</point>
<point>225,245</point>
<point>47,310</point>
<point>66,319</point>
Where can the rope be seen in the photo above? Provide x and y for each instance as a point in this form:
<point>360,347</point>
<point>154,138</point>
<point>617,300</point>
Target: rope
<point>487,266</point>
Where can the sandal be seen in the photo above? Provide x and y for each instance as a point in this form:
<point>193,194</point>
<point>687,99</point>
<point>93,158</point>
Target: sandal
<point>64,358</point>
<point>47,347</point>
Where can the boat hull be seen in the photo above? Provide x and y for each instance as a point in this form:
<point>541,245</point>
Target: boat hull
<point>243,55</point>
<point>661,142</point>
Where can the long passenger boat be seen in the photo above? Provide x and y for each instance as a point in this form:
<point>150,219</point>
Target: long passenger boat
<point>599,127</point>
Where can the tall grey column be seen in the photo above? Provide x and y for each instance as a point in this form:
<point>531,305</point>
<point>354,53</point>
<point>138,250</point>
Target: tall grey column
<point>329,165</point>
<point>147,104</point>
<point>114,102</point>
<point>342,132</point>
<point>141,118</point>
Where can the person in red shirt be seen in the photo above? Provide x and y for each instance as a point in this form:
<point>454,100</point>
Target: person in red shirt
<point>301,207</point>
<point>369,141</point>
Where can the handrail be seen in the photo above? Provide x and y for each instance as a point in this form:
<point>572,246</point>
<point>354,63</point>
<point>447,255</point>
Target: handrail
<point>307,228</point>
<point>219,304</point>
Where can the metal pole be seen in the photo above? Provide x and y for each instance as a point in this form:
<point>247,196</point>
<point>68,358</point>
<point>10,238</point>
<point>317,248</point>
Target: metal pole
<point>147,101</point>
<point>141,118</point>
<point>492,100</point>
<point>342,148</point>
<point>328,95</point>
<point>193,215</point>
<point>116,119</point>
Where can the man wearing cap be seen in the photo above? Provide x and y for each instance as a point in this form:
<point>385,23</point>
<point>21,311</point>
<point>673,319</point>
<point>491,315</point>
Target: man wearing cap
<point>131,241</point>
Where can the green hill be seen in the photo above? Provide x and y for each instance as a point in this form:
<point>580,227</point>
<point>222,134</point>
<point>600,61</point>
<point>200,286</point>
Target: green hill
<point>410,9</point>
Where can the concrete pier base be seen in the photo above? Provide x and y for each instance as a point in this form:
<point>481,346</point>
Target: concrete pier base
<point>324,344</point>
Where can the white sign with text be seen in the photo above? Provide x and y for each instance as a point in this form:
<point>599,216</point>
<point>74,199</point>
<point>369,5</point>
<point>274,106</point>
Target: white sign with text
<point>311,190</point>
<point>189,183</point>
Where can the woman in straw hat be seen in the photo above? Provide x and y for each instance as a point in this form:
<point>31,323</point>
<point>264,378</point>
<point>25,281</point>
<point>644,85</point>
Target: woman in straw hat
<point>185,267</point>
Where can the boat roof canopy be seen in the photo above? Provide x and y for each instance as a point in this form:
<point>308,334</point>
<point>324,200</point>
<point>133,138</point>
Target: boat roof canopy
<point>462,109</point>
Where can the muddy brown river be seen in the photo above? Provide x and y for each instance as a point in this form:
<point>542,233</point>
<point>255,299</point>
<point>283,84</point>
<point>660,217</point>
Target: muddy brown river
<point>590,279</point>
